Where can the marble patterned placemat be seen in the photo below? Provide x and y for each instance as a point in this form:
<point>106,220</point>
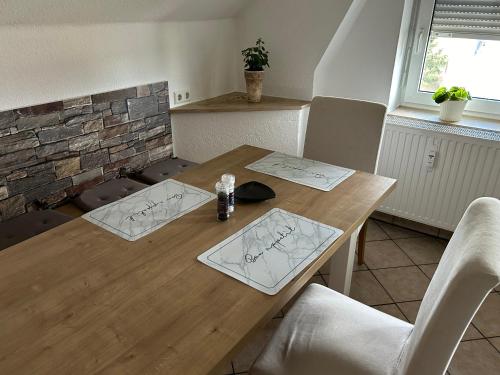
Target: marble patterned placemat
<point>147,210</point>
<point>269,252</point>
<point>307,172</point>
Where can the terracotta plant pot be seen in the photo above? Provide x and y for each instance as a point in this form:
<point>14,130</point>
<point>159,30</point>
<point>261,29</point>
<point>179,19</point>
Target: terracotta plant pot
<point>254,85</point>
<point>452,110</point>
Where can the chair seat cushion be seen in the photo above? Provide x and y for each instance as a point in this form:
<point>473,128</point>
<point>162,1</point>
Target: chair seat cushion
<point>107,192</point>
<point>328,333</point>
<point>29,225</point>
<point>163,170</point>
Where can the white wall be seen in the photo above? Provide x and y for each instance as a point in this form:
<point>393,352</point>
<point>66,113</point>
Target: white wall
<point>359,61</point>
<point>78,12</point>
<point>297,32</point>
<point>40,64</point>
<point>200,137</point>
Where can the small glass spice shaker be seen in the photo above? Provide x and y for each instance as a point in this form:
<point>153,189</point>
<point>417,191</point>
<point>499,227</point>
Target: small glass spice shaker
<point>222,191</point>
<point>229,180</point>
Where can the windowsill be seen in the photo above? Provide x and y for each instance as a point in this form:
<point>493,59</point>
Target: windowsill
<point>468,121</point>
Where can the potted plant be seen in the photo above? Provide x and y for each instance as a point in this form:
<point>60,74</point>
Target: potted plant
<point>255,58</point>
<point>451,102</point>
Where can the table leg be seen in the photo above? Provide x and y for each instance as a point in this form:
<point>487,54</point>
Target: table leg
<point>362,244</point>
<point>341,265</point>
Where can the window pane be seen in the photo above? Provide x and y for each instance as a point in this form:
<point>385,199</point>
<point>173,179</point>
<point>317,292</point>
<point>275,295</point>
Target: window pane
<point>471,63</point>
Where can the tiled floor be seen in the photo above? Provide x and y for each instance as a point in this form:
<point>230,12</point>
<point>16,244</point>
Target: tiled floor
<point>399,265</point>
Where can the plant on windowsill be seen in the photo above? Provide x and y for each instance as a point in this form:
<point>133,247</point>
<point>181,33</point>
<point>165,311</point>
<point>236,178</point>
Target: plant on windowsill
<point>255,58</point>
<point>451,102</point>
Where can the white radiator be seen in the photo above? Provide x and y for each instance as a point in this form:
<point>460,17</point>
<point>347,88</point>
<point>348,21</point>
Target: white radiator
<point>466,166</point>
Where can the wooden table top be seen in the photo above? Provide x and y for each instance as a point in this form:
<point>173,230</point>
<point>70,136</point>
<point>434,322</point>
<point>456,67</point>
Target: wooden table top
<point>79,300</point>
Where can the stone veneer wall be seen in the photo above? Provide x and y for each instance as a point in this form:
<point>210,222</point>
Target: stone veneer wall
<point>53,151</point>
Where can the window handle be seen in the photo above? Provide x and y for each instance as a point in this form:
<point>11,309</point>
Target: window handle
<point>418,45</point>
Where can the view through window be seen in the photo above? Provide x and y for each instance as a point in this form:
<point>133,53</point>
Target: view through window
<point>472,63</point>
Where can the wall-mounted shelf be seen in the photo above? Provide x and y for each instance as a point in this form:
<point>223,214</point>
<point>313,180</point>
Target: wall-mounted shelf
<point>206,129</point>
<point>237,102</point>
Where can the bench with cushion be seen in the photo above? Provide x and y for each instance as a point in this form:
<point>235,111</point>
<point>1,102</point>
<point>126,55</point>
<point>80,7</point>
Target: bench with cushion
<point>29,225</point>
<point>163,170</point>
<point>107,192</point>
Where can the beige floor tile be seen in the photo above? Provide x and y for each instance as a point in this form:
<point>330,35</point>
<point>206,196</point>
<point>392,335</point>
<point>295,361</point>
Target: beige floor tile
<point>396,232</point>
<point>366,289</point>
<point>422,250</point>
<point>382,216</point>
<point>318,280</point>
<point>428,269</point>
<point>410,310</point>
<point>495,341</point>
<point>475,357</point>
<point>374,232</point>
<point>383,254</point>
<point>403,283</point>
<point>471,333</point>
<point>245,358</point>
<point>325,269</point>
<point>357,267</point>
<point>418,227</point>
<point>487,319</point>
<point>391,309</point>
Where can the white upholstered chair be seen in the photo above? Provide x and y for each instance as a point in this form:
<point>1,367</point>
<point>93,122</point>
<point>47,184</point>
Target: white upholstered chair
<point>347,133</point>
<point>326,332</point>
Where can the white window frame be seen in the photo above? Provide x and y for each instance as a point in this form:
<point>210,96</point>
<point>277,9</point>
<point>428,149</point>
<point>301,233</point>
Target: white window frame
<point>416,56</point>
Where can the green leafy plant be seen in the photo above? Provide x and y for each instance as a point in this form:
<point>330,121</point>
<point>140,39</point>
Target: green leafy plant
<point>256,58</point>
<point>455,93</point>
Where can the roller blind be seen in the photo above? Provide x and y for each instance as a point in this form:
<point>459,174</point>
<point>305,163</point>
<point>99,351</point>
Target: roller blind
<point>477,19</point>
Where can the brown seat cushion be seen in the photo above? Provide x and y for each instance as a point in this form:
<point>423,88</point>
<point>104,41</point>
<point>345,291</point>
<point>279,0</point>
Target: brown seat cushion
<point>107,192</point>
<point>163,170</point>
<point>29,225</point>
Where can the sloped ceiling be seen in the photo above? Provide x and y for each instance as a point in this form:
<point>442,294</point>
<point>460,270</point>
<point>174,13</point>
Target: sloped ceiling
<point>52,12</point>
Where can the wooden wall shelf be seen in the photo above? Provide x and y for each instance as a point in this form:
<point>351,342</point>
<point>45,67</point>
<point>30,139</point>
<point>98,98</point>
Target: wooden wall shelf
<point>237,102</point>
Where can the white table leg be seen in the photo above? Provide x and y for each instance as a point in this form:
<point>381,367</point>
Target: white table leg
<point>341,265</point>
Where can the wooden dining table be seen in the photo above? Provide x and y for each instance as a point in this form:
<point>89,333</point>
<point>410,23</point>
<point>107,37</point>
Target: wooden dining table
<point>80,300</point>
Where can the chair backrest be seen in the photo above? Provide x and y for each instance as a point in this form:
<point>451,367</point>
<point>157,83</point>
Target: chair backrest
<point>467,272</point>
<point>344,132</point>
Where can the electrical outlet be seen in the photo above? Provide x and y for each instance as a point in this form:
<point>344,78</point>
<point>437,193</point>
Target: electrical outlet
<point>182,96</point>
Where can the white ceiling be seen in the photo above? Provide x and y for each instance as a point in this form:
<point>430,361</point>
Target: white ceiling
<point>51,12</point>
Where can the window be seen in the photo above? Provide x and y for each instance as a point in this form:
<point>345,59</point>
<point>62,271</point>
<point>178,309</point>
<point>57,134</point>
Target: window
<point>462,49</point>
